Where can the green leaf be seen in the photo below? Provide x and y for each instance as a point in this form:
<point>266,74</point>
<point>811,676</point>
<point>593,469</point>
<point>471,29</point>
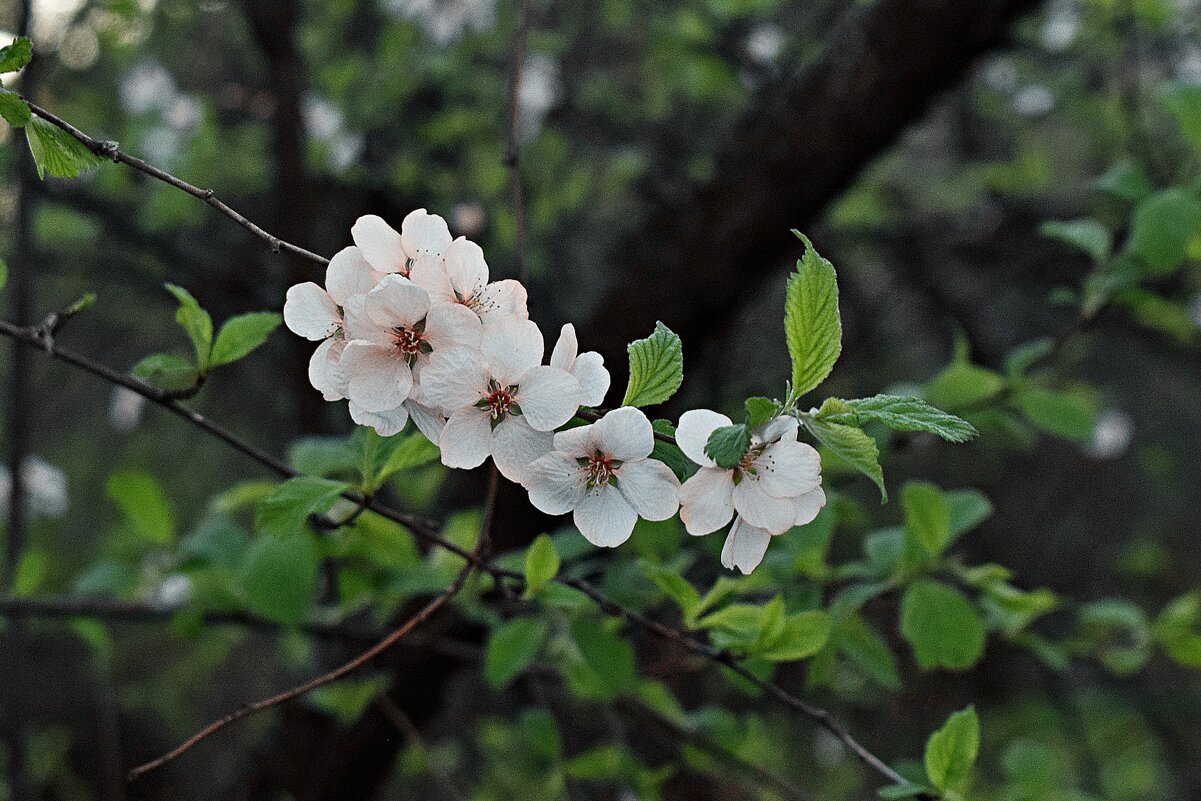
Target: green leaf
<point>1176,630</point>
<point>1184,103</point>
<point>951,751</point>
<point>285,511</point>
<point>144,505</point>
<point>728,444</point>
<point>1118,632</point>
<point>802,635</point>
<point>164,371</point>
<point>968,509</point>
<point>852,446</point>
<point>609,655</point>
<point>512,649</point>
<point>348,699</point>
<point>322,456</point>
<point>759,411</point>
<point>196,322</point>
<point>675,587</point>
<point>1126,180</point>
<point>927,517</point>
<point>1071,414</point>
<point>962,384</point>
<point>863,646</point>
<point>811,321</point>
<point>240,335</point>
<point>14,109</point>
<point>943,627</point>
<point>3,274</point>
<point>1087,234</point>
<point>656,368</point>
<point>403,452</point>
<point>541,564</point>
<point>57,152</point>
<point>1163,225</point>
<point>279,577</point>
<point>31,572</point>
<point>900,413</point>
<point>16,55</point>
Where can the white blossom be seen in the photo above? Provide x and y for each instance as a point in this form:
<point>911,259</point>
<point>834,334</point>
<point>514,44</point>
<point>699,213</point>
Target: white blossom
<point>588,368</point>
<point>500,400</point>
<point>775,486</point>
<point>461,276</point>
<point>603,475</point>
<point>423,237</point>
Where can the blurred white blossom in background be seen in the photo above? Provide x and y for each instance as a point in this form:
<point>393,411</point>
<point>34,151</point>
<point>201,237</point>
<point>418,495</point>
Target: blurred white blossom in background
<point>45,488</point>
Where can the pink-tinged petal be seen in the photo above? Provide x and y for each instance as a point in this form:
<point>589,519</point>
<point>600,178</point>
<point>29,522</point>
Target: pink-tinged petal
<point>511,347</point>
<point>349,274</point>
<point>624,434</point>
<point>760,509</point>
<point>357,326</point>
<point>466,268</point>
<point>548,397</point>
<point>385,423</point>
<point>604,517</point>
<point>396,303</point>
<point>424,235</point>
<point>693,433</point>
<point>515,445</point>
<point>310,312</point>
<point>380,244</point>
<point>782,428</point>
<point>430,422</point>
<point>451,324</point>
<point>453,378</point>
<point>589,370</point>
<point>466,440</point>
<point>325,370</point>
<point>808,505</point>
<point>556,483</point>
<point>576,441</point>
<point>650,487</point>
<point>566,348</point>
<point>707,500</point>
<point>745,547</point>
<point>788,468</point>
<point>377,379</point>
<point>430,275</point>
<point>499,299</point>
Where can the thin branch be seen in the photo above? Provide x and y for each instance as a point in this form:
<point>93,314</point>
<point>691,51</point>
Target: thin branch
<point>109,150</point>
<point>513,153</point>
<point>299,690</point>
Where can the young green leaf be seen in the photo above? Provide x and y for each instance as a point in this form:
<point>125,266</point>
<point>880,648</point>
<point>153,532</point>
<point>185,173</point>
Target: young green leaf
<point>951,751</point>
<point>1184,103</point>
<point>1086,234</point>
<point>962,384</point>
<point>57,152</point>
<point>675,587</point>
<point>811,321</point>
<point>726,445</point>
<point>927,517</point>
<point>1163,225</point>
<point>14,109</point>
<point>900,413</point>
<point>941,624</point>
<point>285,511</point>
<point>164,371</point>
<point>759,411</point>
<point>609,655</point>
<point>144,505</point>
<point>1071,414</point>
<point>512,649</point>
<point>3,274</point>
<point>279,577</point>
<point>656,368</point>
<point>800,636</point>
<point>403,452</point>
<point>16,55</point>
<point>240,335</point>
<point>196,322</point>
<point>852,446</point>
<point>1126,180</point>
<point>541,564</point>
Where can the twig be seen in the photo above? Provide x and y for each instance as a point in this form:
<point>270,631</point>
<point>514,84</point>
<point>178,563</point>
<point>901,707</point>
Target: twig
<point>513,153</point>
<point>109,150</point>
<point>299,690</point>
<point>428,531</point>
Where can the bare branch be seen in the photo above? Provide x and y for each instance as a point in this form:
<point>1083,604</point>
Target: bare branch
<point>109,150</point>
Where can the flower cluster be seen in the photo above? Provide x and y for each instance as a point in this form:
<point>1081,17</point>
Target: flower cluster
<point>410,327</point>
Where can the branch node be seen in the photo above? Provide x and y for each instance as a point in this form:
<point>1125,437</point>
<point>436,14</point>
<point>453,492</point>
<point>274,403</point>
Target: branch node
<point>109,150</point>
